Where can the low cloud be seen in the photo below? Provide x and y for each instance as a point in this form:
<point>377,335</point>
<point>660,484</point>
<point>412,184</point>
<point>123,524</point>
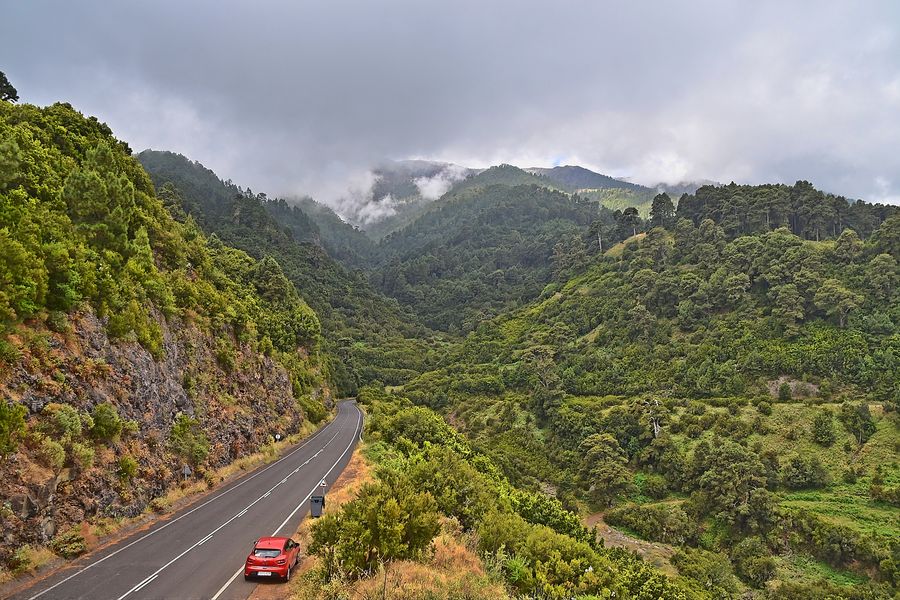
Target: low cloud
<point>293,98</point>
<point>432,188</point>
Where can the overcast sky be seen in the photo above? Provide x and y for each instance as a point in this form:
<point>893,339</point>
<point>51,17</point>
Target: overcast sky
<point>292,97</point>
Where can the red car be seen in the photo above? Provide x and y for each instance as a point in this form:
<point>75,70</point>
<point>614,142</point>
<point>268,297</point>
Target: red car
<point>272,557</point>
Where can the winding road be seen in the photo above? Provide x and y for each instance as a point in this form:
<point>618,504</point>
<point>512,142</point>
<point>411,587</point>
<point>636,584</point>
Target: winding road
<point>199,552</point>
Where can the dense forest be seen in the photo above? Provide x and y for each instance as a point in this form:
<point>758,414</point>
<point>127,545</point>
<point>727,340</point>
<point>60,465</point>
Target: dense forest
<point>367,335</point>
<point>479,252</point>
<point>736,399</point>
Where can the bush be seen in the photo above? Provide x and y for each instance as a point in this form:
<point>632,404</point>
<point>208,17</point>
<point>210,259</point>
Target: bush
<point>712,569</point>
<point>823,428</point>
<point>386,521</point>
<point>655,486</point>
<point>107,423</point>
<point>804,472</point>
<point>661,523</point>
<point>20,561</point>
<point>58,321</point>
<point>753,561</point>
<point>188,441</point>
<point>64,422</point>
<point>858,421</point>
<point>764,408</point>
<point>51,453</point>
<point>784,392</point>
<point>83,456</point>
<point>127,468</point>
<point>69,544</point>
<point>12,426</point>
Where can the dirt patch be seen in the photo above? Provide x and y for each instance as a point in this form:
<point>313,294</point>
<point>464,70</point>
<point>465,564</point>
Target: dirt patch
<point>799,389</point>
<point>657,554</point>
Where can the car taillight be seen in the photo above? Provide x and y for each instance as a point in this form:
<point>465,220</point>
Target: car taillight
<point>282,561</point>
<point>250,560</point>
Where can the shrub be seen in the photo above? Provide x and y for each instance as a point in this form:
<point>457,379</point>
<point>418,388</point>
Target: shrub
<point>9,354</point>
<point>661,523</point>
<point>764,408</point>
<point>858,421</point>
<point>655,486</point>
<point>225,355</point>
<point>712,569</point>
<point>127,468</point>
<point>83,456</point>
<point>386,521</point>
<point>804,472</point>
<point>823,428</point>
<point>69,544</point>
<point>51,453</point>
<point>188,441</point>
<point>107,423</point>
<point>753,561</point>
<point>58,321</point>
<point>12,426</point>
<point>784,392</point>
<point>64,421</point>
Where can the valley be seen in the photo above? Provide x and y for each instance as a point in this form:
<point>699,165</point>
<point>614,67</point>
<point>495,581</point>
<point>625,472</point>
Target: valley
<point>712,378</point>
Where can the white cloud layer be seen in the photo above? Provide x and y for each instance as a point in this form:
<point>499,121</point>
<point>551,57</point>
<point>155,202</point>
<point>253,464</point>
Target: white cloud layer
<point>300,97</point>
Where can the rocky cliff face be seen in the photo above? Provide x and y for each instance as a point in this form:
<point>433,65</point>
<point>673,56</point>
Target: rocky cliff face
<point>240,398</point>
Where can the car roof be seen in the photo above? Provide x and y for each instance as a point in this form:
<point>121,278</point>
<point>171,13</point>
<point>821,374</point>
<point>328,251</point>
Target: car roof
<point>275,543</point>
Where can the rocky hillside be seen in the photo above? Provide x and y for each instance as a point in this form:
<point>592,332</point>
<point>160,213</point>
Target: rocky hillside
<point>130,344</point>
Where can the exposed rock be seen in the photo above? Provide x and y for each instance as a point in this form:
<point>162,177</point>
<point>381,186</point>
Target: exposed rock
<point>238,411</point>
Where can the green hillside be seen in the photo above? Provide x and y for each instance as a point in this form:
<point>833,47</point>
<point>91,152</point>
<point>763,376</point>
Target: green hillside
<point>345,243</point>
<point>129,341</point>
<point>368,335</point>
<point>575,178</point>
<point>737,397</point>
<point>480,250</point>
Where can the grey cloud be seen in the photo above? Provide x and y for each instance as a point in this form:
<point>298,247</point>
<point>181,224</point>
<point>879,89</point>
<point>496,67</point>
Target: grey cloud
<point>304,97</point>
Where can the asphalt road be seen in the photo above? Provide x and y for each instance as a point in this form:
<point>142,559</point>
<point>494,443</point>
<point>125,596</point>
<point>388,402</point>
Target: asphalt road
<point>199,552</point>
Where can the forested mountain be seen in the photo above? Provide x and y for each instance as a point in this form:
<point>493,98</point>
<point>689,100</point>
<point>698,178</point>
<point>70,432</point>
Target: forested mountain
<point>401,191</point>
<point>735,399</point>
<point>574,178</point>
<point>480,250</point>
<point>129,341</point>
<point>343,241</point>
<point>368,336</point>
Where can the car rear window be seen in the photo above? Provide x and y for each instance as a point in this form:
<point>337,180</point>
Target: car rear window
<point>266,552</point>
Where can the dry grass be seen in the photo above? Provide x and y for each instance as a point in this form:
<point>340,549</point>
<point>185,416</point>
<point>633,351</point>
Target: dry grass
<point>36,558</point>
<point>454,571</point>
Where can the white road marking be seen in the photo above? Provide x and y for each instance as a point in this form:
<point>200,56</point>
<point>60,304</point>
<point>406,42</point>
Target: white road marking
<point>204,540</point>
<point>302,502</point>
<point>175,520</point>
<point>217,529</point>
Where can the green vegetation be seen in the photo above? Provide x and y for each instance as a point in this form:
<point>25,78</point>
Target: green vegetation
<point>718,376</point>
<point>188,441</point>
<point>12,426</point>
<point>366,335</point>
<point>482,250</point>
<point>427,472</point>
<point>722,367</point>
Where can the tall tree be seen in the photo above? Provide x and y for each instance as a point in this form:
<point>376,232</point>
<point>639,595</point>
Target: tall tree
<point>7,91</point>
<point>662,211</point>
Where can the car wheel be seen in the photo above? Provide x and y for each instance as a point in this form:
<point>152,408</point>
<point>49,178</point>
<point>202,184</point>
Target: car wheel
<point>246,578</point>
